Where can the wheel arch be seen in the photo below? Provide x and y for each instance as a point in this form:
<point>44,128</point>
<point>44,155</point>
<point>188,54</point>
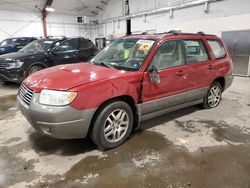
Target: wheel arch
<point>222,81</point>
<point>35,64</point>
<point>125,98</point>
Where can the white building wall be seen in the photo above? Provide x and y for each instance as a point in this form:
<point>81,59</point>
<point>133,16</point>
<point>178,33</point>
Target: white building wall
<point>223,15</point>
<point>21,24</point>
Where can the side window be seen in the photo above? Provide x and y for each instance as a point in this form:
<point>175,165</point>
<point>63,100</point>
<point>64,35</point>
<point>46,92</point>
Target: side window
<point>195,51</point>
<point>68,45</point>
<point>22,42</point>
<point>168,55</point>
<point>217,48</point>
<point>86,44</point>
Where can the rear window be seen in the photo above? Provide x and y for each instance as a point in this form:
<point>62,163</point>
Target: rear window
<point>217,48</point>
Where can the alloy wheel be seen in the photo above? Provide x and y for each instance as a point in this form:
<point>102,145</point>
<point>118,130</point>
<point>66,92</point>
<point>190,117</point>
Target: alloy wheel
<point>214,96</point>
<point>116,125</point>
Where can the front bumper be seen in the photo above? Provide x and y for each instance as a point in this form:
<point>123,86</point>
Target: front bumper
<point>12,75</point>
<point>57,122</point>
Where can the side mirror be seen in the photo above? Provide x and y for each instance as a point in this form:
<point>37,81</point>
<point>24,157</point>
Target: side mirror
<point>154,75</point>
<point>51,52</point>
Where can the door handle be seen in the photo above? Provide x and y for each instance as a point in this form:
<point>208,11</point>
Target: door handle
<point>180,73</point>
<point>210,67</point>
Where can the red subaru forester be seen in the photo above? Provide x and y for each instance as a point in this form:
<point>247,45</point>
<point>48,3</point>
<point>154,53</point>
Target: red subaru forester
<point>133,79</point>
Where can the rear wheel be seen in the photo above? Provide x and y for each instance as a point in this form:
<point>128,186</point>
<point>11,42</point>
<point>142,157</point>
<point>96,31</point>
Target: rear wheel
<point>113,125</point>
<point>213,97</point>
<point>34,69</point>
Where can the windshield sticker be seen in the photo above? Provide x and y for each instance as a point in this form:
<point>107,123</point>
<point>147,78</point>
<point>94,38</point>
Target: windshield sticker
<point>145,45</point>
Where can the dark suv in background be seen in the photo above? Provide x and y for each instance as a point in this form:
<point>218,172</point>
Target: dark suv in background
<point>43,53</point>
<point>14,44</point>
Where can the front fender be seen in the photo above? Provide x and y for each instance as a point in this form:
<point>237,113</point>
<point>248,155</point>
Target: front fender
<point>94,94</point>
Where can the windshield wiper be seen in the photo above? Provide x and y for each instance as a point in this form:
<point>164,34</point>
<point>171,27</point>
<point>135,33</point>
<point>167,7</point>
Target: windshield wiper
<point>103,64</point>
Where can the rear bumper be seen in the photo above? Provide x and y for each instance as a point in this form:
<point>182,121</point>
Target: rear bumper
<point>228,81</point>
<point>57,122</point>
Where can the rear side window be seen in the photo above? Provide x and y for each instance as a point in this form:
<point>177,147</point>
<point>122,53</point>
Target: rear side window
<point>217,48</point>
<point>195,51</point>
<point>86,44</point>
<point>22,42</point>
<point>68,45</point>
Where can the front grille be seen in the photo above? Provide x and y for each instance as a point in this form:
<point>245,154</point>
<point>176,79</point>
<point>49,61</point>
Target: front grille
<point>26,94</point>
<point>2,65</point>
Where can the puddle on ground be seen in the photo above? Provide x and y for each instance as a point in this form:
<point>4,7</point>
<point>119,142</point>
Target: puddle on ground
<point>45,145</point>
<point>15,169</point>
<point>150,160</point>
<point>8,106</point>
<point>225,132</point>
<point>188,126</point>
<point>221,130</point>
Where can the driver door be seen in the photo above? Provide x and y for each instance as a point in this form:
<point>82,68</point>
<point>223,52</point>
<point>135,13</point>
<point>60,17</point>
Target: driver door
<point>67,52</point>
<point>173,74</point>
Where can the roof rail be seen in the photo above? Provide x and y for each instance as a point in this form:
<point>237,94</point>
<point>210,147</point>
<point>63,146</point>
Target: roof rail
<point>55,37</point>
<point>201,33</point>
<point>174,32</point>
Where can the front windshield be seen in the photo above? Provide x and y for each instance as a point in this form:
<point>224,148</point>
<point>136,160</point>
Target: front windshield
<point>37,46</point>
<point>7,42</point>
<point>124,54</point>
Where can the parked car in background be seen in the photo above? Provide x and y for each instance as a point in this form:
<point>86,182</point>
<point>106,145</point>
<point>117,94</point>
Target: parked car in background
<point>44,53</point>
<point>14,44</point>
<point>133,79</point>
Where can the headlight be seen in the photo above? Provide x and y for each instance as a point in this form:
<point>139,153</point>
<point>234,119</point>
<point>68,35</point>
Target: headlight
<point>56,98</point>
<point>13,65</point>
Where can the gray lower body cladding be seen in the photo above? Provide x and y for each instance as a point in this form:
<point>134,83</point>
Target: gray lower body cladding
<point>59,122</point>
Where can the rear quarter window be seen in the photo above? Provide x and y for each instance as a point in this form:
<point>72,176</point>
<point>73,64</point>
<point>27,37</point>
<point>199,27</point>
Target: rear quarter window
<point>217,48</point>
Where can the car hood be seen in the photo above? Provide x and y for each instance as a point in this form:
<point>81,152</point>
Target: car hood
<point>65,77</point>
<point>18,55</point>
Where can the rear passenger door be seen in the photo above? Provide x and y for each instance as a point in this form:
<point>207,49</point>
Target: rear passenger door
<point>169,61</point>
<point>200,66</point>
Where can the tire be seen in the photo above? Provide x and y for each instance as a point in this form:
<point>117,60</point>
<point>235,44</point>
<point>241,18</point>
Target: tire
<point>213,96</point>
<point>34,69</point>
<point>108,130</point>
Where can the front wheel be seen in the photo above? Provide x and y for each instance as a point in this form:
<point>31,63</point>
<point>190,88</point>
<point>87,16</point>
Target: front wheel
<point>34,69</point>
<point>213,97</point>
<point>113,125</point>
